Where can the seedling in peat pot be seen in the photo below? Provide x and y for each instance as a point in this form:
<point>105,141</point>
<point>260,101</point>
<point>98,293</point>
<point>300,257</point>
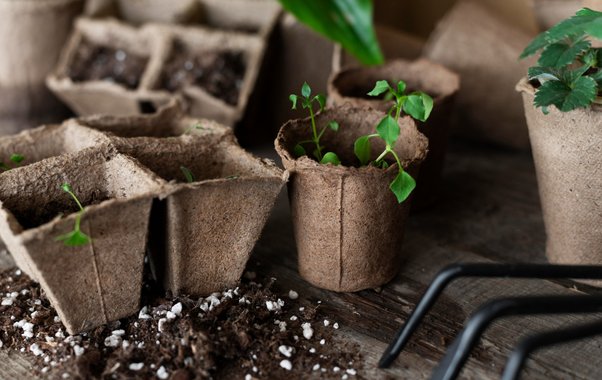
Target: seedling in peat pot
<point>187,174</point>
<point>76,237</point>
<point>16,160</point>
<point>307,102</point>
<point>568,72</point>
<point>197,126</point>
<point>418,105</point>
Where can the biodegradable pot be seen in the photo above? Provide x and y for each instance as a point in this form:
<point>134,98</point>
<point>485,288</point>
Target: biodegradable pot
<point>567,150</point>
<point>45,142</point>
<point>348,225</point>
<point>32,33</point>
<point>550,12</point>
<point>172,11</point>
<point>351,86</point>
<point>484,50</point>
<point>93,284</point>
<point>203,232</point>
<point>89,97</point>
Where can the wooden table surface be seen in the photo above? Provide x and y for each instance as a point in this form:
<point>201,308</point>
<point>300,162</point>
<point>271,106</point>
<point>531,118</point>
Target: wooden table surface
<point>488,211</point>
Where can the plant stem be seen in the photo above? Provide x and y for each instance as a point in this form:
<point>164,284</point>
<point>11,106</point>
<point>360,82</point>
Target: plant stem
<point>316,139</point>
<point>382,155</point>
<point>81,208</point>
<point>396,159</point>
<point>78,220</point>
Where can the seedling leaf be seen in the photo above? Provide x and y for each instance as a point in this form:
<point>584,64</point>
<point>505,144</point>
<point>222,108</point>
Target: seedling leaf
<point>402,186</point>
<point>333,125</point>
<point>566,98</point>
<point>321,99</point>
<point>401,87</point>
<point>293,99</point>
<point>306,90</point>
<point>388,130</point>
<point>362,149</point>
<point>418,105</point>
<point>380,87</point>
<point>17,158</point>
<point>330,158</point>
<point>560,54</point>
<point>74,238</point>
<point>299,150</point>
<point>187,174</point>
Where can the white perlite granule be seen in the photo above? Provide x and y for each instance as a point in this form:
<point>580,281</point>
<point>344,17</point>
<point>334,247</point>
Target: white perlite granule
<point>78,350</point>
<point>143,314</point>
<point>293,294</point>
<point>274,305</point>
<point>162,373</point>
<point>177,309</point>
<point>136,366</point>
<point>286,364</point>
<point>286,351</point>
<point>308,332</point>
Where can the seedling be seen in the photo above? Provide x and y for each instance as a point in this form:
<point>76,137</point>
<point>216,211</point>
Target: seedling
<point>187,174</point>
<point>568,70</point>
<point>308,102</point>
<point>15,159</point>
<point>76,237</point>
<point>197,126</point>
<point>418,105</point>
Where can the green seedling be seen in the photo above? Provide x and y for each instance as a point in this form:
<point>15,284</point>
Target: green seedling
<point>15,159</point>
<point>308,102</point>
<point>196,126</point>
<point>568,69</point>
<point>187,174</point>
<point>76,237</point>
<point>418,105</point>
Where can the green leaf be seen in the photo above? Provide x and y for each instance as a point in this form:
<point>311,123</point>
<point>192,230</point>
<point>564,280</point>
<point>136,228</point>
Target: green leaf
<point>334,125</point>
<point>321,99</point>
<point>418,105</point>
<point>401,87</point>
<point>67,188</point>
<point>597,76</point>
<point>17,158</point>
<point>388,130</point>
<point>542,74</point>
<point>299,151</point>
<point>330,158</point>
<point>402,186</point>
<point>362,149</point>
<point>567,98</point>
<point>74,238</point>
<point>293,99</point>
<point>305,90</point>
<point>187,174</point>
<point>348,22</point>
<point>561,54</point>
<point>380,87</point>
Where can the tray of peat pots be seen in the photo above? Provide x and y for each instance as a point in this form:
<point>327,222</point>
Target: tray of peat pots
<point>107,67</point>
<point>38,144</point>
<point>564,115</point>
<point>81,221</point>
<point>352,173</point>
<point>217,202</point>
<point>355,85</point>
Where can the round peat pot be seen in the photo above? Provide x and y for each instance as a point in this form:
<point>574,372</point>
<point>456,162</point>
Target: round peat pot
<point>348,224</point>
<point>567,150</point>
<point>32,33</point>
<point>351,86</point>
<point>172,11</point>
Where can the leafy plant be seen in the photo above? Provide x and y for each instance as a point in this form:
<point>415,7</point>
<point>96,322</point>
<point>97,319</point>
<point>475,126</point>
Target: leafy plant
<point>348,22</point>
<point>307,102</point>
<point>187,174</point>
<point>568,69</point>
<point>76,237</point>
<point>16,160</point>
<point>418,105</point>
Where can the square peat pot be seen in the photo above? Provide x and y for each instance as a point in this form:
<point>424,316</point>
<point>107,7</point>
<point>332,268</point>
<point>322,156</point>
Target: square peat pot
<point>42,143</point>
<point>92,284</point>
<point>105,68</point>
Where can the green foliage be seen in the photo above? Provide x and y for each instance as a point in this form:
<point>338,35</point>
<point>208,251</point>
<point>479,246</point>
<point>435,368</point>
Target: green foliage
<point>75,237</point>
<point>308,102</point>
<point>187,174</point>
<point>417,104</point>
<point>348,22</point>
<point>568,68</point>
<point>15,159</point>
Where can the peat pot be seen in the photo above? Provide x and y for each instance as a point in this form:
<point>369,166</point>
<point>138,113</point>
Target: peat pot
<point>567,150</point>
<point>348,225</point>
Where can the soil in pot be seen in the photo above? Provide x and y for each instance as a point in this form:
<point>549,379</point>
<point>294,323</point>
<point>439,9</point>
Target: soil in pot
<point>98,62</point>
<point>220,73</point>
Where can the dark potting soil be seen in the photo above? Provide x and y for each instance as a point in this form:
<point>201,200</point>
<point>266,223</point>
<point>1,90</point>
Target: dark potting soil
<point>95,62</point>
<point>220,73</point>
<point>245,333</point>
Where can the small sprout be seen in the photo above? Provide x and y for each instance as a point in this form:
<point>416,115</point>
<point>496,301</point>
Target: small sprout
<point>307,102</point>
<point>76,237</point>
<point>197,126</point>
<point>232,176</point>
<point>15,159</point>
<point>187,174</point>
<point>417,104</point>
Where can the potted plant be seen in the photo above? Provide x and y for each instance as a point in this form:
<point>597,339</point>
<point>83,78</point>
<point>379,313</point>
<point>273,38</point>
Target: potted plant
<point>351,174</point>
<point>561,100</point>
<point>353,85</point>
<point>81,221</point>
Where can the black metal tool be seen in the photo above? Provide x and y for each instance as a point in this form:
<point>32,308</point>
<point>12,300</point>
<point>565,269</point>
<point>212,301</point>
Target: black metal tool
<point>487,270</point>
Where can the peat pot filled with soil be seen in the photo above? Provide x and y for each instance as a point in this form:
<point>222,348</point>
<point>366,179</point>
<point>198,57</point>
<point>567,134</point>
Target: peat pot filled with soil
<point>81,221</point>
<point>348,224</point>
<point>353,85</point>
<point>567,150</point>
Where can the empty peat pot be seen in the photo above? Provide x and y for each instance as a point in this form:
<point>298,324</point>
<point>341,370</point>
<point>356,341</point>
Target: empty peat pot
<point>352,86</point>
<point>96,283</point>
<point>347,223</point>
<point>567,150</point>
